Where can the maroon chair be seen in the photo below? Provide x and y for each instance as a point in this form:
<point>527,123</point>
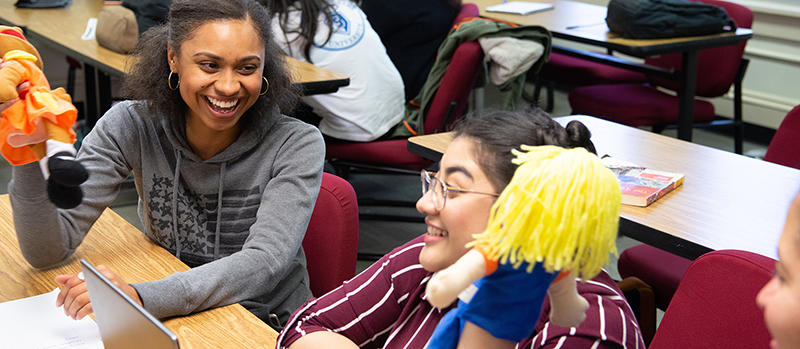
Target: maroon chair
<point>571,72</point>
<point>646,105</point>
<point>448,105</point>
<point>658,268</point>
<point>331,241</point>
<point>784,149</point>
<point>715,304</point>
<point>663,270</point>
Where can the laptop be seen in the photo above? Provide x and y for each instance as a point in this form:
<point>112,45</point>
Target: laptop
<point>123,323</point>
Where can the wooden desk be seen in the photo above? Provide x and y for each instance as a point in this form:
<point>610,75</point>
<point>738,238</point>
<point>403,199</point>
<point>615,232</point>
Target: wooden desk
<point>585,23</point>
<point>61,29</point>
<point>727,201</point>
<point>119,245</point>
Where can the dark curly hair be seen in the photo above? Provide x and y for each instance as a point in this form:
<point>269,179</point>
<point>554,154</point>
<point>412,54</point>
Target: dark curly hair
<point>309,19</point>
<point>147,76</point>
<point>496,132</point>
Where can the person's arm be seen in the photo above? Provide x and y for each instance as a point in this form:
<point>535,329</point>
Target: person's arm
<point>609,324</point>
<point>265,270</point>
<point>323,339</point>
<point>48,235</point>
<point>364,309</point>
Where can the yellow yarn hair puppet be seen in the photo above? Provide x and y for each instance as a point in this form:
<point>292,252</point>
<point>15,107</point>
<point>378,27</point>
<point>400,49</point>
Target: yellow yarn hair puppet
<point>36,123</point>
<point>556,219</point>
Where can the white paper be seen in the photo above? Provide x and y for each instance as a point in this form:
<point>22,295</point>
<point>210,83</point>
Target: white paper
<point>91,27</point>
<point>36,323</point>
<point>519,7</point>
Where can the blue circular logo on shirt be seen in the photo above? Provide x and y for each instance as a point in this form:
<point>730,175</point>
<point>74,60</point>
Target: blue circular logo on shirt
<point>347,29</point>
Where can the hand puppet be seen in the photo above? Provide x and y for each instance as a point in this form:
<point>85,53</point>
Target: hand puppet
<point>556,220</point>
<point>37,122</point>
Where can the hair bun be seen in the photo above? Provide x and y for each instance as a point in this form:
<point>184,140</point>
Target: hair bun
<point>580,136</point>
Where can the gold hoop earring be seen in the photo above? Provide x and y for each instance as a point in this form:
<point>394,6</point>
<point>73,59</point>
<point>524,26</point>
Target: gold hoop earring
<point>266,82</point>
<point>169,82</point>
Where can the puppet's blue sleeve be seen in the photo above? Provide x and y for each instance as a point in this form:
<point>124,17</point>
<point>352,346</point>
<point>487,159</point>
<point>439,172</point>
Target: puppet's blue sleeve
<point>507,304</point>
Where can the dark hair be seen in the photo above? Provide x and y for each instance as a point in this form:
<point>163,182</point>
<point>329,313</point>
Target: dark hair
<point>453,4</point>
<point>147,78</point>
<point>497,132</point>
<point>310,11</point>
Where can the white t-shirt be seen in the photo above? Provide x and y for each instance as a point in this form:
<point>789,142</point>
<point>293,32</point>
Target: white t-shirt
<point>374,101</point>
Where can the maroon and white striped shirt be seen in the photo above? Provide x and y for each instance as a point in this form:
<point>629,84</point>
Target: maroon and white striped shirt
<point>385,307</point>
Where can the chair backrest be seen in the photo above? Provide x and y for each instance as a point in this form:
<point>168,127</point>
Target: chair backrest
<point>451,98</point>
<point>457,82</point>
<point>717,67</point>
<point>784,149</point>
<point>715,304</point>
<point>331,241</point>
<point>467,11</point>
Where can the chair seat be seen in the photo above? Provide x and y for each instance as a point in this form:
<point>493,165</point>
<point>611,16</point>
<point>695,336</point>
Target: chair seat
<point>574,71</point>
<point>634,105</point>
<point>392,153</point>
<point>658,268</point>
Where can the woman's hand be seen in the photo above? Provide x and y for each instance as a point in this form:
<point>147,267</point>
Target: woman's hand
<point>74,297</point>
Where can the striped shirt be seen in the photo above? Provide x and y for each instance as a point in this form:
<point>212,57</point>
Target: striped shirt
<point>385,307</point>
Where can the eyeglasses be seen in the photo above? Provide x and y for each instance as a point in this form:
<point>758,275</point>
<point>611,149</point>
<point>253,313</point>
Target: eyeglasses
<point>441,190</point>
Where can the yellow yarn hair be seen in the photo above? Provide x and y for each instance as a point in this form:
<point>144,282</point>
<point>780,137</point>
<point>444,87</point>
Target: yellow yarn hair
<point>561,208</point>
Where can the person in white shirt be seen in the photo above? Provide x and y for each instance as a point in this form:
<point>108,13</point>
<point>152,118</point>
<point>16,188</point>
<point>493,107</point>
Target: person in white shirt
<point>335,34</point>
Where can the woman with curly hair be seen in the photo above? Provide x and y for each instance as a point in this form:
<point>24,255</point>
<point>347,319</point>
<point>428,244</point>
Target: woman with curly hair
<point>225,182</point>
<point>336,35</point>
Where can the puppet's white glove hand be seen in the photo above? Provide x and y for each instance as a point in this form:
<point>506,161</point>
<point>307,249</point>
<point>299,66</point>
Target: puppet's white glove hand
<point>567,307</point>
<point>445,285</point>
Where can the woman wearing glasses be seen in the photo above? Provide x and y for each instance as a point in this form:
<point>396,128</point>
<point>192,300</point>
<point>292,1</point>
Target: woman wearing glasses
<point>385,306</point>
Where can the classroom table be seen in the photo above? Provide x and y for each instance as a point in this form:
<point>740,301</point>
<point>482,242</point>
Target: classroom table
<point>61,29</point>
<point>727,201</point>
<point>585,23</point>
<point>114,242</point>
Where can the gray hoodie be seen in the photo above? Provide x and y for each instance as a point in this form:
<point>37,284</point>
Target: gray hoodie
<point>238,220</point>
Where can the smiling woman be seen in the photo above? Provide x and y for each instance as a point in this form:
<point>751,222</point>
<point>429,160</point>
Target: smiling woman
<point>220,70</point>
<point>387,305</point>
<point>225,182</point>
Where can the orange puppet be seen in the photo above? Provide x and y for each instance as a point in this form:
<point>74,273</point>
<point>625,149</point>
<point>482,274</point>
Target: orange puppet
<point>36,123</point>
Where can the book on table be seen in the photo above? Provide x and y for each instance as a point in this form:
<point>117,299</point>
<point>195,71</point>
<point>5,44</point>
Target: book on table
<point>519,7</point>
<point>641,186</point>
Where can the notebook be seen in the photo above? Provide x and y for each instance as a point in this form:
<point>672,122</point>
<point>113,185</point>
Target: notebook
<point>519,7</point>
<point>123,323</point>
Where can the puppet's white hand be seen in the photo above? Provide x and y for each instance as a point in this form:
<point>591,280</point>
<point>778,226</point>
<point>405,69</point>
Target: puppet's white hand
<point>567,307</point>
<point>445,285</point>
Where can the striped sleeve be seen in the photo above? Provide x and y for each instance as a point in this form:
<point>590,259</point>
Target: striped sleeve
<point>609,323</point>
<point>365,308</point>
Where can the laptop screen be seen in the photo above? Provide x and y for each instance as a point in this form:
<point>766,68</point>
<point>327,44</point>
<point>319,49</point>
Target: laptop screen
<point>123,323</point>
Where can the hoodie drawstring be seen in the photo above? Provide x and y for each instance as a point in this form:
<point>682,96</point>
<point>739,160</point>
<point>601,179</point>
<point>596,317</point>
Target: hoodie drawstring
<point>219,210</point>
<point>175,220</point>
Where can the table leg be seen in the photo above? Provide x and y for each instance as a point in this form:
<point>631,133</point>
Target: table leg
<point>686,93</point>
<point>91,95</point>
<point>103,93</point>
<point>98,94</point>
